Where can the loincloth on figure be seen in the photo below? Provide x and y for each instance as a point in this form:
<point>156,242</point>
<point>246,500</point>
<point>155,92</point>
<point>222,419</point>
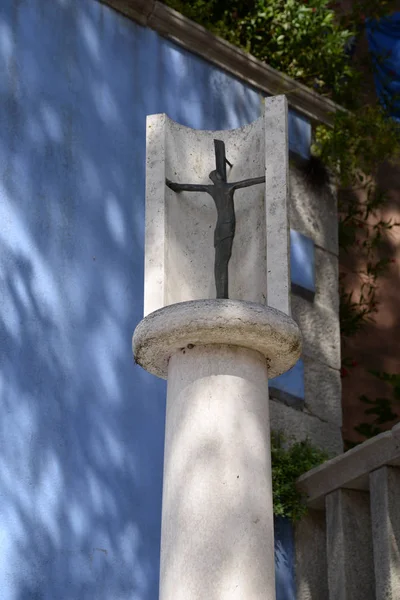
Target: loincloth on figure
<point>224,231</point>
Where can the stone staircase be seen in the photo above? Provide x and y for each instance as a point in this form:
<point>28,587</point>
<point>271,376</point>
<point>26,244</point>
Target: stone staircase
<point>348,546</point>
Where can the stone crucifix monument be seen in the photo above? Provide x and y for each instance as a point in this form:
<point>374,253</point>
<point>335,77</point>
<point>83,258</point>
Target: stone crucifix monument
<point>217,325</point>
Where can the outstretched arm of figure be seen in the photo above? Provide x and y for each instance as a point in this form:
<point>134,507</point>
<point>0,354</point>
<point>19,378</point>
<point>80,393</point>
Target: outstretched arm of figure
<point>186,187</point>
<point>247,182</point>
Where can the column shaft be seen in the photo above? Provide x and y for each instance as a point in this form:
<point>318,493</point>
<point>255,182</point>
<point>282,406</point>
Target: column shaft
<point>217,522</point>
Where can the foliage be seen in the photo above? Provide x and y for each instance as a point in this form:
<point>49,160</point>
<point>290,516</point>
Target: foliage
<point>301,39</point>
<point>383,409</point>
<point>354,149</point>
<point>288,463</point>
<point>304,39</point>
<point>357,144</point>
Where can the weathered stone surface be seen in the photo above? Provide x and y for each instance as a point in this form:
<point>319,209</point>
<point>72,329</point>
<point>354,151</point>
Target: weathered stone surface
<point>311,565</point>
<point>276,203</point>
<point>313,212</point>
<point>300,425</point>
<point>327,279</point>
<point>200,322</point>
<point>385,516</point>
<point>180,254</point>
<point>217,524</point>
<point>349,546</point>
<point>323,387</point>
<point>320,329</point>
<point>155,240</point>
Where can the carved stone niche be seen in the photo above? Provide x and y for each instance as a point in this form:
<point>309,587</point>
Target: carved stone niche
<point>179,247</point>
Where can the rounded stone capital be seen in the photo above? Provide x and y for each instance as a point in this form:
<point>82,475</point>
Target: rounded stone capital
<point>202,322</point>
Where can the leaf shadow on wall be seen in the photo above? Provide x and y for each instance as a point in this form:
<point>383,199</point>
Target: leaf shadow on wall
<point>82,428</point>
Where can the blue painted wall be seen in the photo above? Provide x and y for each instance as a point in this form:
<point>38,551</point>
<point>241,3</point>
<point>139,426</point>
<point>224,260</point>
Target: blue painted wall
<point>302,264</point>
<point>302,273</point>
<point>81,428</point>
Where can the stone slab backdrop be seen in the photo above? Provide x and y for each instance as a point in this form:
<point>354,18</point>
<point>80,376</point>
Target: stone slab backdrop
<point>179,247</point>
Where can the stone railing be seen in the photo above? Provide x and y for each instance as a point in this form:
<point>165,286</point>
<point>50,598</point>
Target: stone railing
<point>348,546</point>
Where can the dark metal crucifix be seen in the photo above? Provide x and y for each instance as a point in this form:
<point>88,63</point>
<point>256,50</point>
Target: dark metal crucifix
<point>222,193</point>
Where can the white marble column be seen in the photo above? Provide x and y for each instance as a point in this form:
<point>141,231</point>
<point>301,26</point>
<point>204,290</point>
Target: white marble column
<point>217,531</point>
<point>217,520</point>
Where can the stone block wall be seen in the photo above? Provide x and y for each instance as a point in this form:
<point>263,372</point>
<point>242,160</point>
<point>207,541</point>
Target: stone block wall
<point>315,411</point>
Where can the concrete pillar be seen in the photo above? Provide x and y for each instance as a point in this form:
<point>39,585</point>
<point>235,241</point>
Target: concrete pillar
<point>311,563</point>
<point>349,546</point>
<point>217,522</point>
<point>385,516</point>
<point>217,530</point>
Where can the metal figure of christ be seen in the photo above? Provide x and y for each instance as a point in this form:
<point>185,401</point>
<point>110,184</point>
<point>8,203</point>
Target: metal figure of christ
<point>222,193</point>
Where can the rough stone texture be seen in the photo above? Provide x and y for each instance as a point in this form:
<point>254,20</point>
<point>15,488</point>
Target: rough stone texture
<point>183,223</point>
<point>311,565</point>
<point>349,546</point>
<point>385,517</point>
<point>155,239</point>
<point>320,329</point>
<point>323,387</point>
<point>313,212</point>
<point>162,333</point>
<point>327,278</point>
<point>276,203</point>
<point>301,425</point>
<point>319,323</point>
<point>217,523</point>
<point>191,216</point>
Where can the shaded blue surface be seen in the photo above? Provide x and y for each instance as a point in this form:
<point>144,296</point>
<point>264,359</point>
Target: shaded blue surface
<point>384,44</point>
<point>82,428</point>
<point>284,560</point>
<point>291,382</point>
<point>302,261</point>
<point>302,273</point>
<point>300,132</point>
